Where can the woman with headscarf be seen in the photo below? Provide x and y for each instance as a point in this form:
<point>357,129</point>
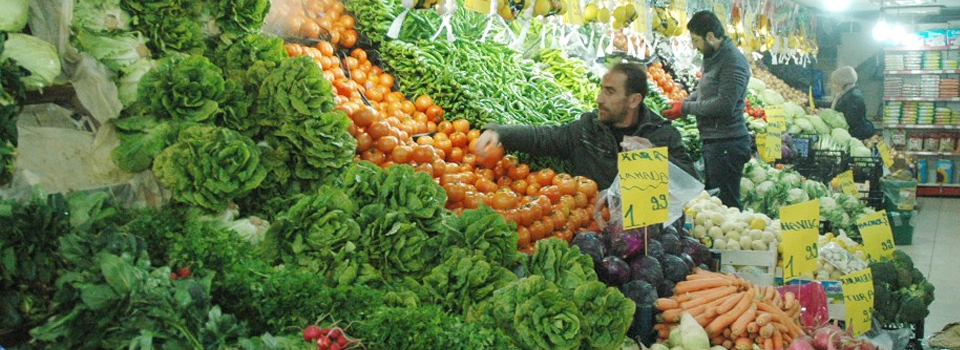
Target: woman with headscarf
<point>849,101</point>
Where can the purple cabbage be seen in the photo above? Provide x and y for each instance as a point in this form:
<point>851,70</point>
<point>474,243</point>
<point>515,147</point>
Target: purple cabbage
<point>665,288</point>
<point>695,249</point>
<point>655,231</point>
<point>646,268</point>
<point>655,249</point>
<point>688,260</point>
<point>674,268</point>
<point>625,244</point>
<point>641,292</point>
<point>671,244</point>
<point>590,244</point>
<point>614,271</point>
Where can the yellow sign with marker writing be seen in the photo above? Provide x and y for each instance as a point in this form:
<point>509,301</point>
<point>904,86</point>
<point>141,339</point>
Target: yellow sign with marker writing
<point>885,154</point>
<point>877,235</point>
<point>858,300</point>
<point>644,186</point>
<point>847,185</point>
<point>776,125</point>
<point>800,224</point>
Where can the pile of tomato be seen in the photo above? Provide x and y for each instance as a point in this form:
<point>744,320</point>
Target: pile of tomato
<point>391,129</point>
<point>671,89</point>
<point>313,19</point>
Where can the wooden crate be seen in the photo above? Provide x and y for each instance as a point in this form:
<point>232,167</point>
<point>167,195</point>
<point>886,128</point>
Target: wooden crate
<point>765,260</point>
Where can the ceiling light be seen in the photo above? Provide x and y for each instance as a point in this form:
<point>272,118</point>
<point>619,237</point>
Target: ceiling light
<point>836,5</point>
<point>881,31</point>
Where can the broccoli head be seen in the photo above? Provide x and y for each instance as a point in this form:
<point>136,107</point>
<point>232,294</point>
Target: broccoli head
<point>905,277</point>
<point>927,288</point>
<point>885,305</point>
<point>884,272</point>
<point>902,260</point>
<point>913,308</point>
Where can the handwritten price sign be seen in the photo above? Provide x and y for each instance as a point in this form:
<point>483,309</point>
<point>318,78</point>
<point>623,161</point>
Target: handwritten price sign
<point>644,184</point>
<point>877,235</point>
<point>800,224</point>
<point>847,184</point>
<point>776,125</point>
<point>885,154</point>
<point>858,300</point>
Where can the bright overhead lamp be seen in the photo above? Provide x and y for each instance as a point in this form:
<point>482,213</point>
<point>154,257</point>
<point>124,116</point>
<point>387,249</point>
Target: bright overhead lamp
<point>881,31</point>
<point>836,5</point>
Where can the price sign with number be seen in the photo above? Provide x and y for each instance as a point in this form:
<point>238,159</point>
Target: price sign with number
<point>776,125</point>
<point>858,300</point>
<point>847,185</point>
<point>800,224</point>
<point>644,185</point>
<point>885,154</point>
<point>877,235</point>
<point>761,138</point>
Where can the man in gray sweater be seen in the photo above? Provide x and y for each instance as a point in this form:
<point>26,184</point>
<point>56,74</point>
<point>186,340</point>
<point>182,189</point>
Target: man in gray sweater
<point>718,104</point>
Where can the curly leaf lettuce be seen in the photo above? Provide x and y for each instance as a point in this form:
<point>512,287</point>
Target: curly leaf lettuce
<point>294,92</point>
<point>607,312</point>
<point>561,264</point>
<point>464,279</point>
<point>361,181</point>
<point>396,244</point>
<point>210,166</point>
<point>174,34</point>
<point>129,81</point>
<point>238,17</point>
<point>487,232</point>
<point>314,229</point>
<point>142,138</point>
<point>318,146</point>
<point>237,58</point>
<point>183,88</point>
<point>99,16</point>
<point>115,51</point>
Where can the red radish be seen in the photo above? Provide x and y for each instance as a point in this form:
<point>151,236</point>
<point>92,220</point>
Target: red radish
<point>323,343</point>
<point>336,333</point>
<point>801,343</point>
<point>311,333</point>
<point>827,338</point>
<point>184,272</point>
<point>335,346</point>
<point>174,276</point>
<point>342,341</point>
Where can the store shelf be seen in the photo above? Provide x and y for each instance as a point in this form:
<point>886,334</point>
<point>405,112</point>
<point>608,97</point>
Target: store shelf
<point>933,184</point>
<point>923,99</point>
<point>922,126</point>
<point>919,48</point>
<point>938,190</point>
<point>927,71</point>
<point>925,153</point>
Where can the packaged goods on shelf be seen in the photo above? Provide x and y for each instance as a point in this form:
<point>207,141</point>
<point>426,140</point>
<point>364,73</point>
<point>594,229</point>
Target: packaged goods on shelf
<point>893,62</point>
<point>914,142</point>
<point>892,113</point>
<point>931,142</point>
<point>943,116</point>
<point>950,64</point>
<point>913,60</point>
<point>949,87</point>
<point>922,171</point>
<point>945,171</point>
<point>932,60</point>
<point>929,86</point>
<point>948,142</point>
<point>898,138</point>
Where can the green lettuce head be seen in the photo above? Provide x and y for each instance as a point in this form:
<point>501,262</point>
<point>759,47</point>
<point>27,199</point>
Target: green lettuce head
<point>183,88</point>
<point>238,17</point>
<point>294,92</point>
<point>210,166</point>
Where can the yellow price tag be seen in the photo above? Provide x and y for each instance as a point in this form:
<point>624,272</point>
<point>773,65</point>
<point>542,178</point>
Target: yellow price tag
<point>801,229</point>
<point>877,235</point>
<point>847,185</point>
<point>776,125</point>
<point>858,300</point>
<point>762,147</point>
<point>644,181</point>
<point>885,154</point>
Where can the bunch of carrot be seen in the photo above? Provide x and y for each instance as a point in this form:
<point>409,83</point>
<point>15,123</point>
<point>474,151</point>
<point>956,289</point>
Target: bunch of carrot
<point>735,313</point>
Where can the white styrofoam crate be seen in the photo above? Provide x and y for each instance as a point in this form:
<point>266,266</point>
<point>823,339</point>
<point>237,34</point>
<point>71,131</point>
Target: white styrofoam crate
<point>765,260</point>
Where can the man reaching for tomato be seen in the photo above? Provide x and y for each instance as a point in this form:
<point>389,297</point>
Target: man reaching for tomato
<point>592,142</point>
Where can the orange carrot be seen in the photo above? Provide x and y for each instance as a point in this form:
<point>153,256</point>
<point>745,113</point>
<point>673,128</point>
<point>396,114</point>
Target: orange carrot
<point>700,284</point>
<point>763,318</point>
<point>663,333</point>
<point>789,298</point>
<point>767,331</point>
<point>707,316</point>
<point>666,326</point>
<point>727,343</point>
<point>730,303</point>
<point>740,325</point>
<point>724,320</point>
<point>691,296</point>
<point>778,315</point>
<point>768,344</point>
<point>777,299</point>
<point>672,315</point>
<point>752,327</point>
<point>743,344</point>
<point>726,333</point>
<point>777,340</point>
<point>664,304</point>
<point>768,294</point>
<point>716,293</point>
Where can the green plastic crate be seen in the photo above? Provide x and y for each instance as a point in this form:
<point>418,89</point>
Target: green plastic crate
<point>902,224</point>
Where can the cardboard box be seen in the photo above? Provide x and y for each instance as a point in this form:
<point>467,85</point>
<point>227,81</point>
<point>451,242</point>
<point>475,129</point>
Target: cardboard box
<point>765,261</point>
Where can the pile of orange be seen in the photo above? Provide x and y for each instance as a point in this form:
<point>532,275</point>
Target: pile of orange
<point>390,129</point>
<point>671,89</point>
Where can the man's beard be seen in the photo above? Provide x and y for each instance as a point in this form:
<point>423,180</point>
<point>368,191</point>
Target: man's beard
<point>708,50</point>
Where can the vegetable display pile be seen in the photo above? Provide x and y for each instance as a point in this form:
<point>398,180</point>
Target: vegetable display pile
<point>481,83</point>
<point>902,289</point>
<point>573,75</point>
<point>765,189</point>
<point>733,312</point>
<point>12,97</point>
<point>723,228</point>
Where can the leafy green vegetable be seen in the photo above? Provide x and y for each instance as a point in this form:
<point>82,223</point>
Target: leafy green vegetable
<point>463,280</point>
<point>129,81</point>
<point>142,138</point>
<point>561,264</point>
<point>100,16</point>
<point>608,314</point>
<point>294,92</point>
<point>426,327</point>
<point>115,51</point>
<point>238,17</point>
<point>14,16</point>
<point>318,147</point>
<point>535,313</point>
<point>209,166</point>
<point>314,229</point>
<point>361,182</point>
<point>485,231</point>
<point>237,58</point>
<point>183,88</point>
<point>174,34</point>
<point>38,57</point>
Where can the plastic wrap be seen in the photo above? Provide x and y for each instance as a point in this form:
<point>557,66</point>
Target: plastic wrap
<point>840,258</point>
<point>813,302</point>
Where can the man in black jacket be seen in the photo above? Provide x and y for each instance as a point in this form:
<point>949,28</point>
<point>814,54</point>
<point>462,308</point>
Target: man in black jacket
<point>718,104</point>
<point>592,142</point>
<point>849,101</point>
